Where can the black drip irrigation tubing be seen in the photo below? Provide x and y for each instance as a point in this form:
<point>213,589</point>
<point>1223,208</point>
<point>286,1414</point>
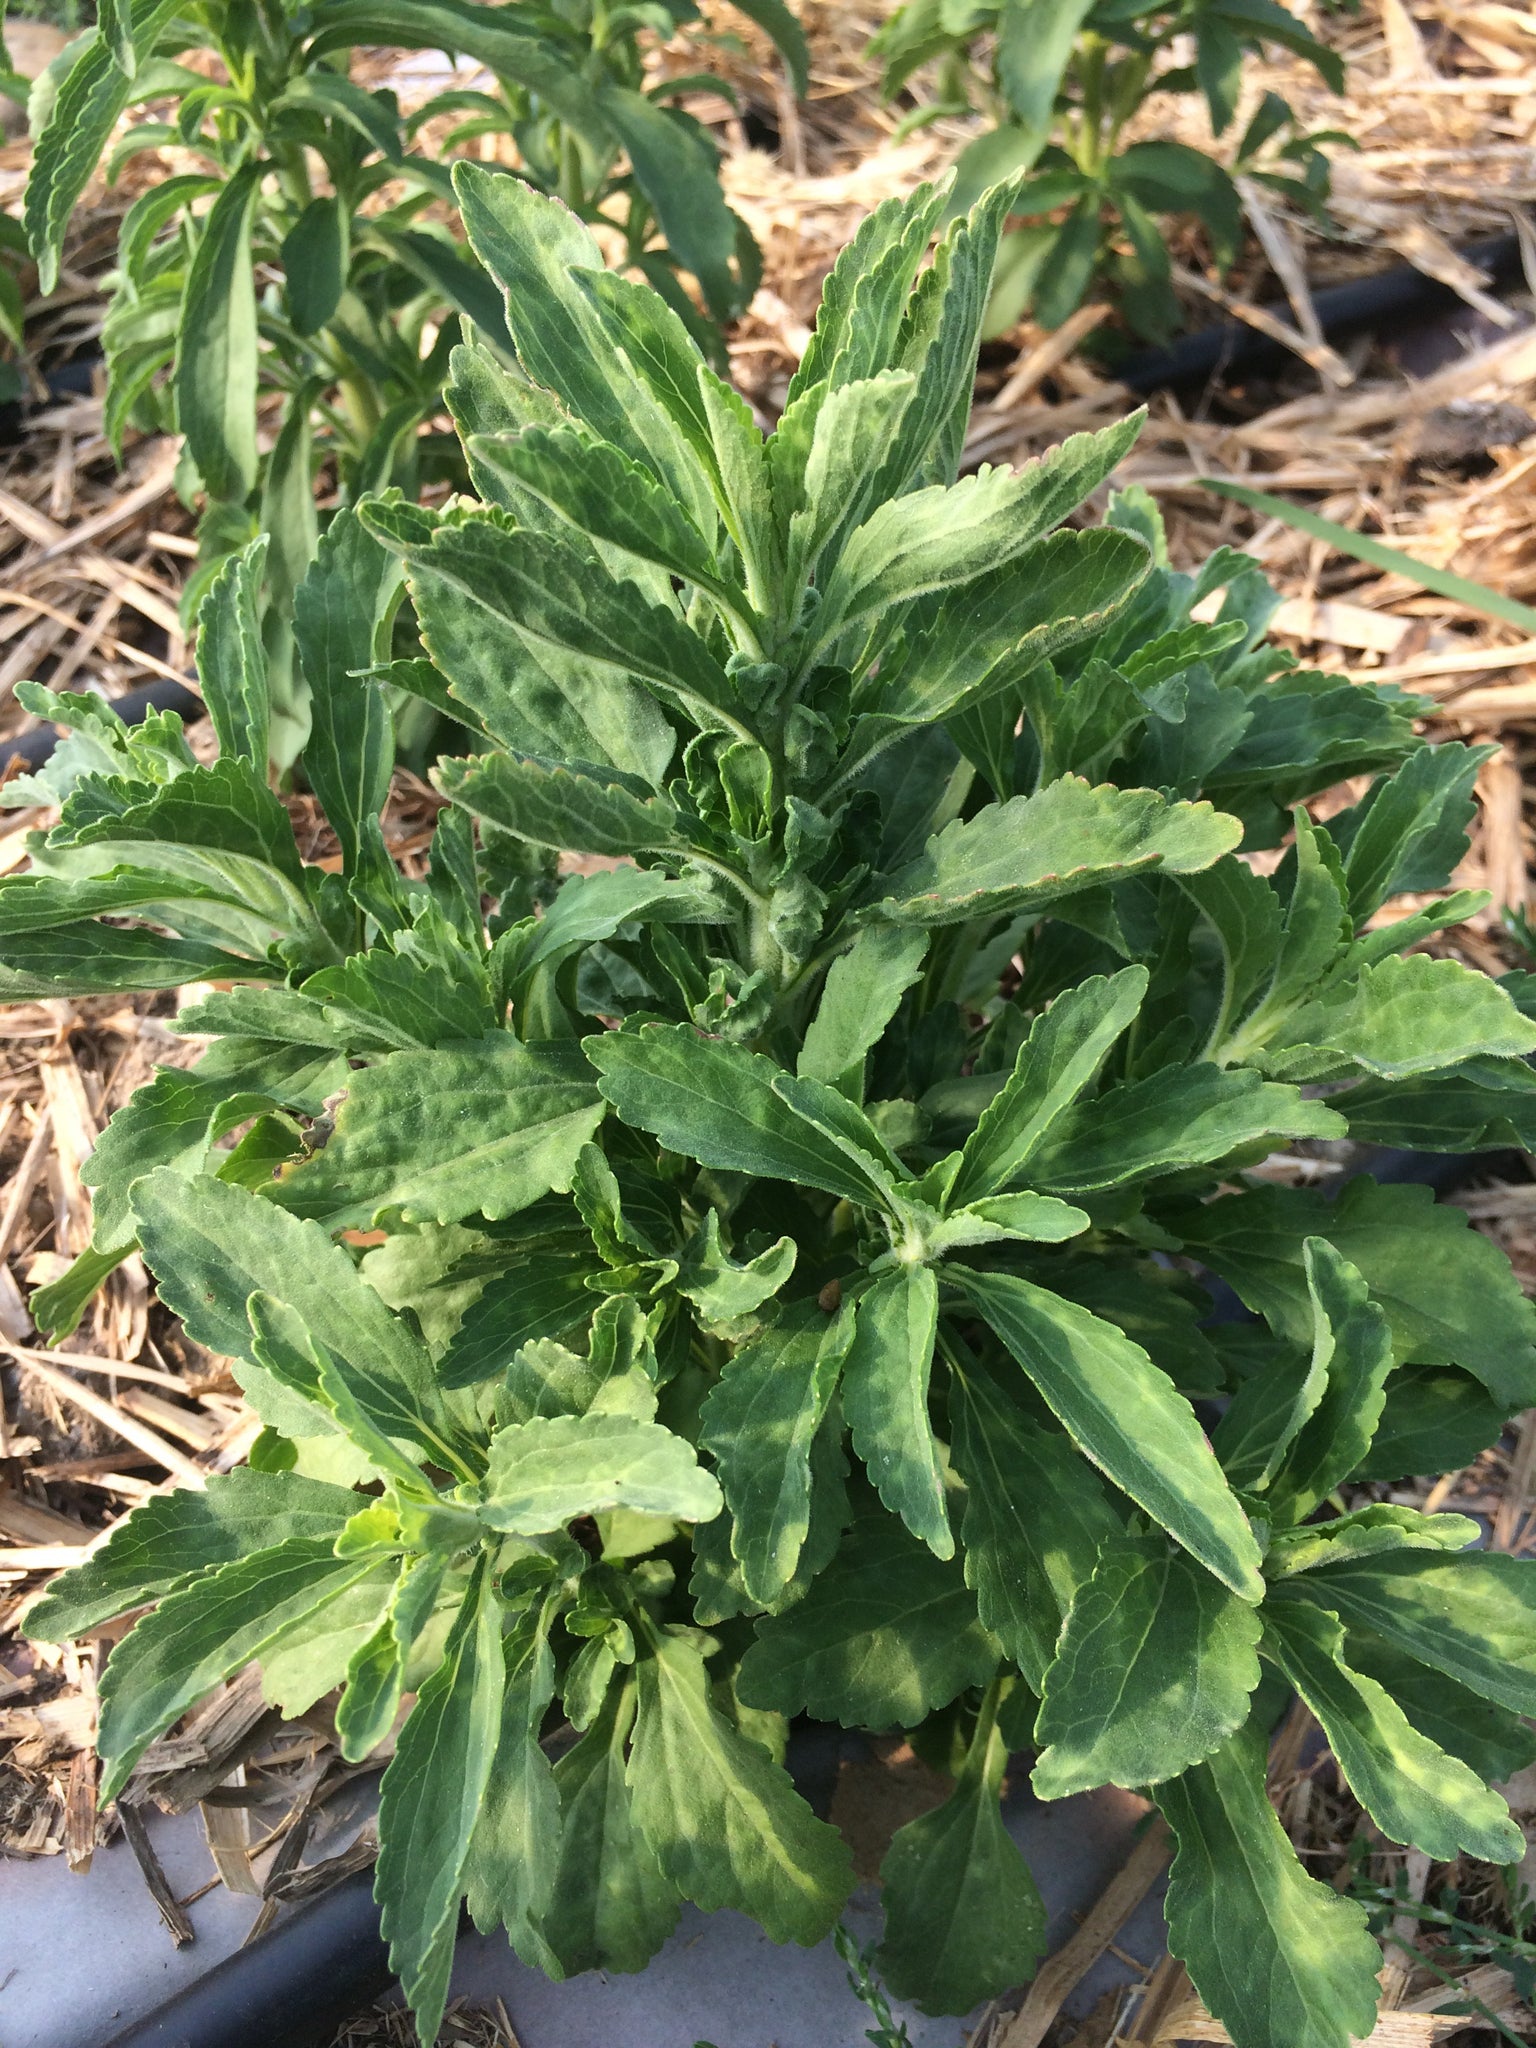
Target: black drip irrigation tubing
<point>1401,296</point>
<point>33,748</point>
<point>294,1988</point>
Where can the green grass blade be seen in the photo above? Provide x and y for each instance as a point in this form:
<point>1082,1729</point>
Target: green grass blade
<point>1460,589</point>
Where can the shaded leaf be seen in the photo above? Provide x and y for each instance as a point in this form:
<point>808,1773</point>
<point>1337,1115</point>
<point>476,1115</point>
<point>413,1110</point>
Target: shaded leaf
<point>720,1817</point>
<point>886,1633</point>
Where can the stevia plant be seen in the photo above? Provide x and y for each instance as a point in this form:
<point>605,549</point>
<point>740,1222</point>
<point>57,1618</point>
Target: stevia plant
<point>1061,82</point>
<point>787,1290</point>
<point>301,257</point>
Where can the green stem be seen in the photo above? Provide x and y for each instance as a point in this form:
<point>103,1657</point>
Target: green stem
<point>569,183</point>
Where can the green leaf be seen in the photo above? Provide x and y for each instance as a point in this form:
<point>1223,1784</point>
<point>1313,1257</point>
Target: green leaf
<point>982,637</point>
<point>545,1473</point>
<point>560,807</point>
<point>1125,1416</point>
<point>861,994</point>
<point>453,1132</point>
<point>92,959</point>
<point>1066,1045</point>
<point>555,591</point>
<point>726,1107</point>
<point>759,1422</point>
<point>91,95</point>
<point>1152,1673</point>
<point>1436,1417</point>
<point>1279,1956</point>
<point>1035,1518</point>
<point>211,1246</point>
<point>1472,1616</point>
<point>964,1919</point>
<point>611,1905</point>
<point>1353,1347</point>
<point>854,428</point>
<point>1037,850</point>
<point>1364,1532</point>
<point>932,539</point>
<point>57,1307</point>
<point>720,1817</point>
<point>431,1799</point>
<point>375,1679</point>
<point>534,697</point>
<point>885,1398</point>
<point>1183,1117</point>
<point>608,496</point>
<point>1404,1016</point>
<point>1448,1293</point>
<point>1493,1741</point>
<point>204,1631</point>
<point>1069,263</point>
<point>169,1539</point>
<point>514,1852</point>
<point>374,1412</point>
<point>312,1655</point>
<point>216,366</point>
<point>1413,1790</point>
<point>175,1120</point>
<point>590,908</point>
<point>342,613</point>
<point>1034,47</point>
<point>1410,830</point>
<point>884,1635</point>
<point>550,267</point>
<point>1479,1106</point>
<point>1268,1410</point>
<point>231,662</point>
<point>720,1289</point>
<point>114,24</point>
<point>676,166</point>
<point>777,22</point>
<point>539,1298</point>
<point>543,1379</point>
<point>316,254</point>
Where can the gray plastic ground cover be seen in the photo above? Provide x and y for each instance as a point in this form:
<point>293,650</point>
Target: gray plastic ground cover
<point>81,1957</point>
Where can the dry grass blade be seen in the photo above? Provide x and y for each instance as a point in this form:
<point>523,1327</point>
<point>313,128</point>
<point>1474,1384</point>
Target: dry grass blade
<point>1058,1976</point>
<point>172,1911</point>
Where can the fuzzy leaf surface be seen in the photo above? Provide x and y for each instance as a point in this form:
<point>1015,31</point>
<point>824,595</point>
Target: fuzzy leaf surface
<point>1037,850</point>
<point>442,1134</point>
